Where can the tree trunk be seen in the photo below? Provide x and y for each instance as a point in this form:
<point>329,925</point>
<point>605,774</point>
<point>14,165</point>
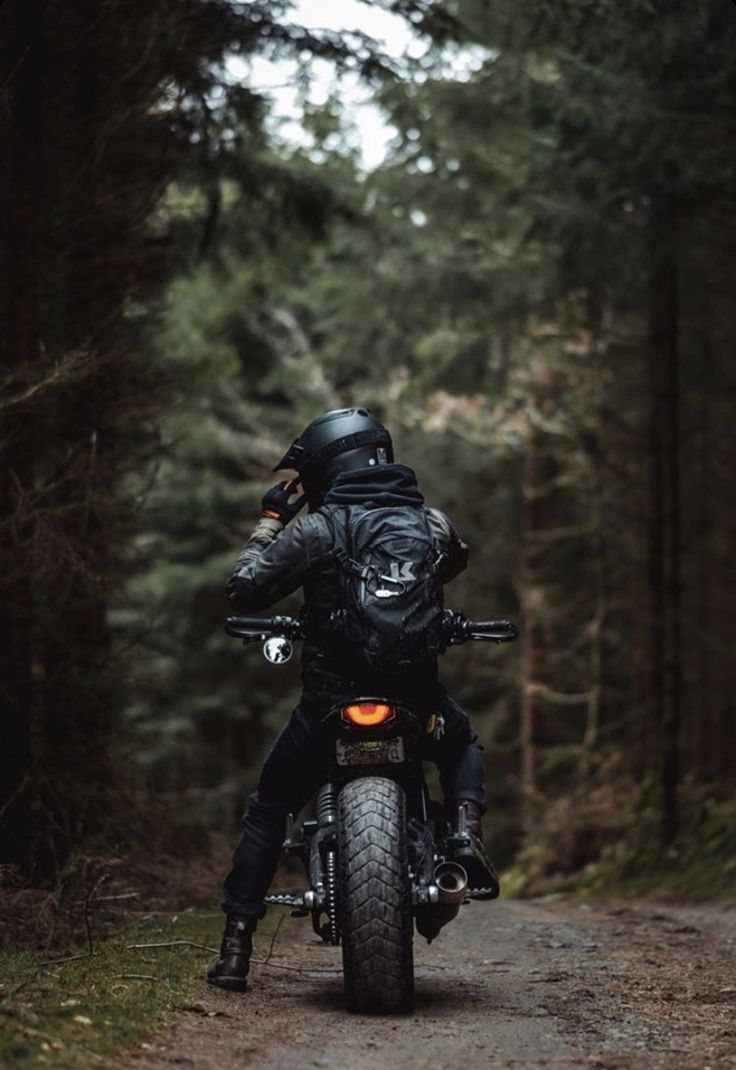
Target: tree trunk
<point>22,73</point>
<point>533,596</point>
<point>665,520</point>
<point>595,662</point>
<point>704,675</point>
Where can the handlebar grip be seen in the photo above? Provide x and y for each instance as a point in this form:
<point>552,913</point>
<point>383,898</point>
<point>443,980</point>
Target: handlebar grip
<point>263,624</point>
<point>500,630</point>
<point>251,628</point>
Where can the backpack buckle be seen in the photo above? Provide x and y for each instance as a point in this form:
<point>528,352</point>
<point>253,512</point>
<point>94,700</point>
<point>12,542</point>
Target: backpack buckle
<point>387,592</point>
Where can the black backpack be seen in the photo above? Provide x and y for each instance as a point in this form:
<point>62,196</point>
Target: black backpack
<point>392,595</point>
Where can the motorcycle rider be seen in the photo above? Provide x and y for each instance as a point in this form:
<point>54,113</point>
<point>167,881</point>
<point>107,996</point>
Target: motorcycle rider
<point>343,458</point>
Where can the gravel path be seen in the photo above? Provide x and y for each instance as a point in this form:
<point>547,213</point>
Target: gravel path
<point>540,985</point>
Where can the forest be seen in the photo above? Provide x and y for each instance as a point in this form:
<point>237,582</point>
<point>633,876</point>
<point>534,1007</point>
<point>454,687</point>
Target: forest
<point>534,290</point>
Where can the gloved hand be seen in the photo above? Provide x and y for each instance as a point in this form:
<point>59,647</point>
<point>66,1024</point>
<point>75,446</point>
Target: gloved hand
<point>276,504</point>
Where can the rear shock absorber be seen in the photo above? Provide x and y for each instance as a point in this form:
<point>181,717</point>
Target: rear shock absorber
<point>327,806</point>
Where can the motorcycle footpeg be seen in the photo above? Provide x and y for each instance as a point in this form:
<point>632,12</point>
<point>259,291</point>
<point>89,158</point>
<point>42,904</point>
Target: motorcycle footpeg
<point>482,877</point>
<point>287,899</point>
<point>484,893</point>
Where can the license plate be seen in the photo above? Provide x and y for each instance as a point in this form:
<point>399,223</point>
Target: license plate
<point>370,752</point>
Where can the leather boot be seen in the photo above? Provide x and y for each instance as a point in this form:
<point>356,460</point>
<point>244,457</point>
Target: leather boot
<point>231,969</point>
<point>482,875</point>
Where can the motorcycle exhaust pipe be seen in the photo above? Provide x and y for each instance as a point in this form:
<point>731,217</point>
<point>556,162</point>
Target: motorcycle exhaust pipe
<point>451,884</point>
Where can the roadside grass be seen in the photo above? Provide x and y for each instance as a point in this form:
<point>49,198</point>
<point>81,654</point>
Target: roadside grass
<point>85,1012</point>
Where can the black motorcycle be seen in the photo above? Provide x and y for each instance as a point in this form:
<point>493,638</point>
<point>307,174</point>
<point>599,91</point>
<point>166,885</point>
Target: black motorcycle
<point>379,855</point>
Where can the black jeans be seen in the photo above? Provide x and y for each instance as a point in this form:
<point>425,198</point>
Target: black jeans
<point>293,772</point>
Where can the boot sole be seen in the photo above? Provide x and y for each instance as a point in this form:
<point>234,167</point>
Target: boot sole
<point>479,876</point>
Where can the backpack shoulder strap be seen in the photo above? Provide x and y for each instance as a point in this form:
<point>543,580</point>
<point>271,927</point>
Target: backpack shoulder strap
<point>338,520</point>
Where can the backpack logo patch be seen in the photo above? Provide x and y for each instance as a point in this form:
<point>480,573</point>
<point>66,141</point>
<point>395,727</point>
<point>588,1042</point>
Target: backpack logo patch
<point>398,579</point>
<point>403,573</point>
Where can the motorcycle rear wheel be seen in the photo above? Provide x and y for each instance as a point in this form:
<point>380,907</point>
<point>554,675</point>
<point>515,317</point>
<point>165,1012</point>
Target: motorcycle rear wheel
<point>375,897</point>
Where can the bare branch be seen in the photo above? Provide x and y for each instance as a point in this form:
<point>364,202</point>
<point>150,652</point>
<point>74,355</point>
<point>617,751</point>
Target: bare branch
<point>558,698</point>
<point>273,940</point>
<point>72,367</point>
<point>173,943</point>
<point>572,531</point>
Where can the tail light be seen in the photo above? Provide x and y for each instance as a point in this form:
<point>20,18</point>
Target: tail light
<point>368,714</point>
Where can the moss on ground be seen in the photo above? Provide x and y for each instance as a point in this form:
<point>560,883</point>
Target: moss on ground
<point>700,864</point>
<point>84,1013</point>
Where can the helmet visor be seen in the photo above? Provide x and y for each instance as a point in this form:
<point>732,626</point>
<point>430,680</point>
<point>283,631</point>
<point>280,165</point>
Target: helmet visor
<point>291,458</point>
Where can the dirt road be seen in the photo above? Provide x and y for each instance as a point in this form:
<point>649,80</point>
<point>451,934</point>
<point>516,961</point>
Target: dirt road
<point>539,985</point>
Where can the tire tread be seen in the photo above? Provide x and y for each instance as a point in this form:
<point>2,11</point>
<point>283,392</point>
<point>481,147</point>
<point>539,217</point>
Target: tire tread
<point>375,897</point>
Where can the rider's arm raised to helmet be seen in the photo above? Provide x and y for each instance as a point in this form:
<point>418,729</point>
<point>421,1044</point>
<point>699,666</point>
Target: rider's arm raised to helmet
<point>275,561</point>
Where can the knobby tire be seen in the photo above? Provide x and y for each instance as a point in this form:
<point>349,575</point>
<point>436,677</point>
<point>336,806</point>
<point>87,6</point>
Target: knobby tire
<point>375,897</point>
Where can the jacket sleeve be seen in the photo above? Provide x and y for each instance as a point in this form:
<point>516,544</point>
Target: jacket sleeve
<point>275,561</point>
<point>443,530</point>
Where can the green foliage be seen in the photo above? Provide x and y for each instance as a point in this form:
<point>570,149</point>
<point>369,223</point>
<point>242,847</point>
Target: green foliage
<point>555,212</point>
<point>487,291</point>
<point>94,128</point>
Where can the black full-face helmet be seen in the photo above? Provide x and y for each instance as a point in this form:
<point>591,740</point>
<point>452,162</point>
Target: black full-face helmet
<point>338,441</point>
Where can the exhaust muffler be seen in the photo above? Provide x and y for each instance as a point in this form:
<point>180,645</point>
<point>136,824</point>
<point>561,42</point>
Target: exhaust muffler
<point>451,884</point>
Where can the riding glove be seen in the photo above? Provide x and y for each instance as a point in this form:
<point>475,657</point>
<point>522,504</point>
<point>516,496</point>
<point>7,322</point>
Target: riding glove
<point>276,504</point>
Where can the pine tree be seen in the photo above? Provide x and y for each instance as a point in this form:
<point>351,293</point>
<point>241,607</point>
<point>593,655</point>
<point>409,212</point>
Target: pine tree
<point>102,104</point>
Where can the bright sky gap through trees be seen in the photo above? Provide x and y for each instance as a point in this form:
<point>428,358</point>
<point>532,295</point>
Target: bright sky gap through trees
<point>290,84</point>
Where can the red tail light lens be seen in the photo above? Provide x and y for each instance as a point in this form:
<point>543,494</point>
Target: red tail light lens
<point>368,714</point>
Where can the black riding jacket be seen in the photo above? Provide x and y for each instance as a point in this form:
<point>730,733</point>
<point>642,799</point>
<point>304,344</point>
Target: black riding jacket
<point>277,560</point>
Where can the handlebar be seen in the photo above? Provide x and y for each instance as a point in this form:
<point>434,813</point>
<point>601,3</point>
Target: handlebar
<point>456,629</point>
<point>251,629</point>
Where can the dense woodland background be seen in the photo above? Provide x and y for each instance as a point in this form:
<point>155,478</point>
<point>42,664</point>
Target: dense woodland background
<point>534,290</point>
